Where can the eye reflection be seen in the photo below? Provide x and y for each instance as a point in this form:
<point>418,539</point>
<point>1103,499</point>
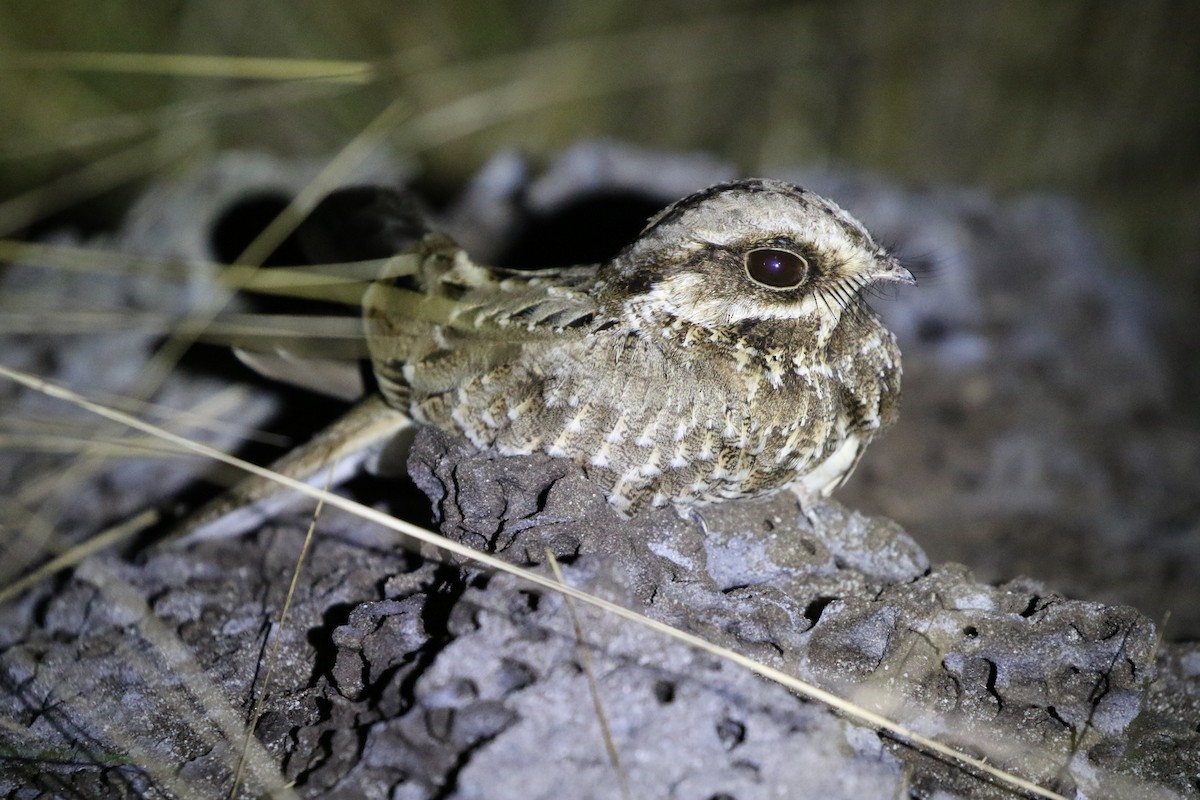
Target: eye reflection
<point>776,269</point>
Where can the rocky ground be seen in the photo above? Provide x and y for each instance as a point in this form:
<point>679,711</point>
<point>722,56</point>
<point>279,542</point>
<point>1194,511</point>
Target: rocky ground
<point>1041,444</point>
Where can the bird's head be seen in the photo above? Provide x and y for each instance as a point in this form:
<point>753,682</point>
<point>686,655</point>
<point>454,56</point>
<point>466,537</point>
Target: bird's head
<point>753,250</point>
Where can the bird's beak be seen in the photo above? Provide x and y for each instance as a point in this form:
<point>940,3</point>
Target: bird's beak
<point>891,270</point>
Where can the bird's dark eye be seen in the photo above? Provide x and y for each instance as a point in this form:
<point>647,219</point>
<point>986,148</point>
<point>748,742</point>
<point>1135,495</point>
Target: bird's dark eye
<point>776,269</point>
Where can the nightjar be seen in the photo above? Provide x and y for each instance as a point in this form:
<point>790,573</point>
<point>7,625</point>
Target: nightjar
<point>727,352</point>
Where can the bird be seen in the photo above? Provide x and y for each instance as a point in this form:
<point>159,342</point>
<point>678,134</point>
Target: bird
<point>727,352</point>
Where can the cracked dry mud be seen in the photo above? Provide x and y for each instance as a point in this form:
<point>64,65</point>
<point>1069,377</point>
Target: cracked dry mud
<point>407,676</point>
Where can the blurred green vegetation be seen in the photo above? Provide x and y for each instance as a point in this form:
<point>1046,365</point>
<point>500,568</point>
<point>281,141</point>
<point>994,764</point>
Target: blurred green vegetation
<point>1098,100</point>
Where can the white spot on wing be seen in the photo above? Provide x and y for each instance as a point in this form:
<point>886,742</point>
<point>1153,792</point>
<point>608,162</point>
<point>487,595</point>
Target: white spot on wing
<point>617,434</point>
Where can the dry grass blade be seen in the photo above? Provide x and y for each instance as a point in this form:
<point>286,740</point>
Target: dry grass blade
<point>91,260</point>
<point>74,322</point>
<point>328,282</point>
<point>586,656</point>
<point>62,443</point>
<point>101,541</point>
<point>273,656</point>
<point>849,710</point>
<point>193,65</point>
<point>205,416</point>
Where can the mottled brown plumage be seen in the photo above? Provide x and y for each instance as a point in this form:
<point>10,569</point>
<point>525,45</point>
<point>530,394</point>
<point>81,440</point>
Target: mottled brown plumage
<point>725,353</point>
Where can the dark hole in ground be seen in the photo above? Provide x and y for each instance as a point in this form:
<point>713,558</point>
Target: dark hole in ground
<point>814,610</point>
<point>590,229</point>
<point>731,733</point>
<point>240,224</point>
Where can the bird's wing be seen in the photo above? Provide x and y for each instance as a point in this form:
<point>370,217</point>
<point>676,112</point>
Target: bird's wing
<point>435,319</point>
